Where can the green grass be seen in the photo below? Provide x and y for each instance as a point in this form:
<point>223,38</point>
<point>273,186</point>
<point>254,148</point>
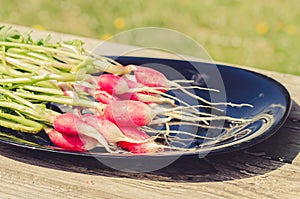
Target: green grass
<point>263,34</point>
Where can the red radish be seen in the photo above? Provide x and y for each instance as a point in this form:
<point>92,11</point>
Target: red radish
<point>72,143</point>
<point>104,97</point>
<point>88,127</point>
<point>117,85</point>
<point>124,89</point>
<point>110,87</point>
<point>136,114</point>
<point>106,128</point>
<point>156,83</point>
<point>152,78</point>
<point>145,97</point>
<point>112,84</point>
<point>136,134</point>
<point>136,97</point>
<point>145,147</point>
<point>131,83</point>
<point>150,98</point>
<point>71,124</point>
<point>109,130</point>
<point>66,123</point>
<point>107,82</point>
<point>129,96</point>
<point>128,113</point>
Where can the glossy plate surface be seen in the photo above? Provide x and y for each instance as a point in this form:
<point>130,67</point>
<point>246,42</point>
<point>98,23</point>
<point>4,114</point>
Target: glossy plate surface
<point>271,105</point>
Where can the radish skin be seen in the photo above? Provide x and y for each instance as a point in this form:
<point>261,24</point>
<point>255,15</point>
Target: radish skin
<point>104,97</point>
<point>112,84</point>
<point>124,88</point>
<point>71,124</point>
<point>72,143</point>
<point>109,130</point>
<point>152,78</point>
<point>146,147</point>
<point>106,128</point>
<point>66,124</point>
<point>136,134</point>
<point>128,113</point>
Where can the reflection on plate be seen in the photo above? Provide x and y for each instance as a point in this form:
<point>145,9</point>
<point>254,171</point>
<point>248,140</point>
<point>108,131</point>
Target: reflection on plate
<point>271,105</point>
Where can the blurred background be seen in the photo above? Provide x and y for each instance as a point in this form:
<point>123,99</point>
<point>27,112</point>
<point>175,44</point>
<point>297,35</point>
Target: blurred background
<point>263,34</point>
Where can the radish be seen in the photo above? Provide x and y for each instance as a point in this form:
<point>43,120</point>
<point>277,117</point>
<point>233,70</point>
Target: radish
<point>130,139</point>
<point>124,89</point>
<point>149,82</point>
<point>137,140</point>
<point>72,125</point>
<point>66,124</point>
<point>70,129</point>
<point>104,97</point>
<point>137,114</point>
<point>106,128</point>
<point>128,113</point>
<point>112,84</point>
<point>153,78</point>
<point>151,98</point>
<point>136,134</point>
<point>116,85</point>
<point>146,147</point>
<point>72,143</point>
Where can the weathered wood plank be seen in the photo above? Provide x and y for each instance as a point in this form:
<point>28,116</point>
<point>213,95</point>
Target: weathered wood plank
<point>231,176</point>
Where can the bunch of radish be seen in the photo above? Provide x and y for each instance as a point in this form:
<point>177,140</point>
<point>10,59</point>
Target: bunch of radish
<point>75,133</point>
<point>119,110</point>
<point>129,103</point>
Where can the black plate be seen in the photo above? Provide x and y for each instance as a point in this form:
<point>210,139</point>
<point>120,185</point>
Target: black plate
<point>271,105</point>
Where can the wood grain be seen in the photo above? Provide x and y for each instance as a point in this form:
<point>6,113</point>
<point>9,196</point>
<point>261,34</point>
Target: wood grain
<point>230,176</point>
<point>270,169</point>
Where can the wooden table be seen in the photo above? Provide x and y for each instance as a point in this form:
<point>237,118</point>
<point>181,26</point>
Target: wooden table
<point>268,170</point>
